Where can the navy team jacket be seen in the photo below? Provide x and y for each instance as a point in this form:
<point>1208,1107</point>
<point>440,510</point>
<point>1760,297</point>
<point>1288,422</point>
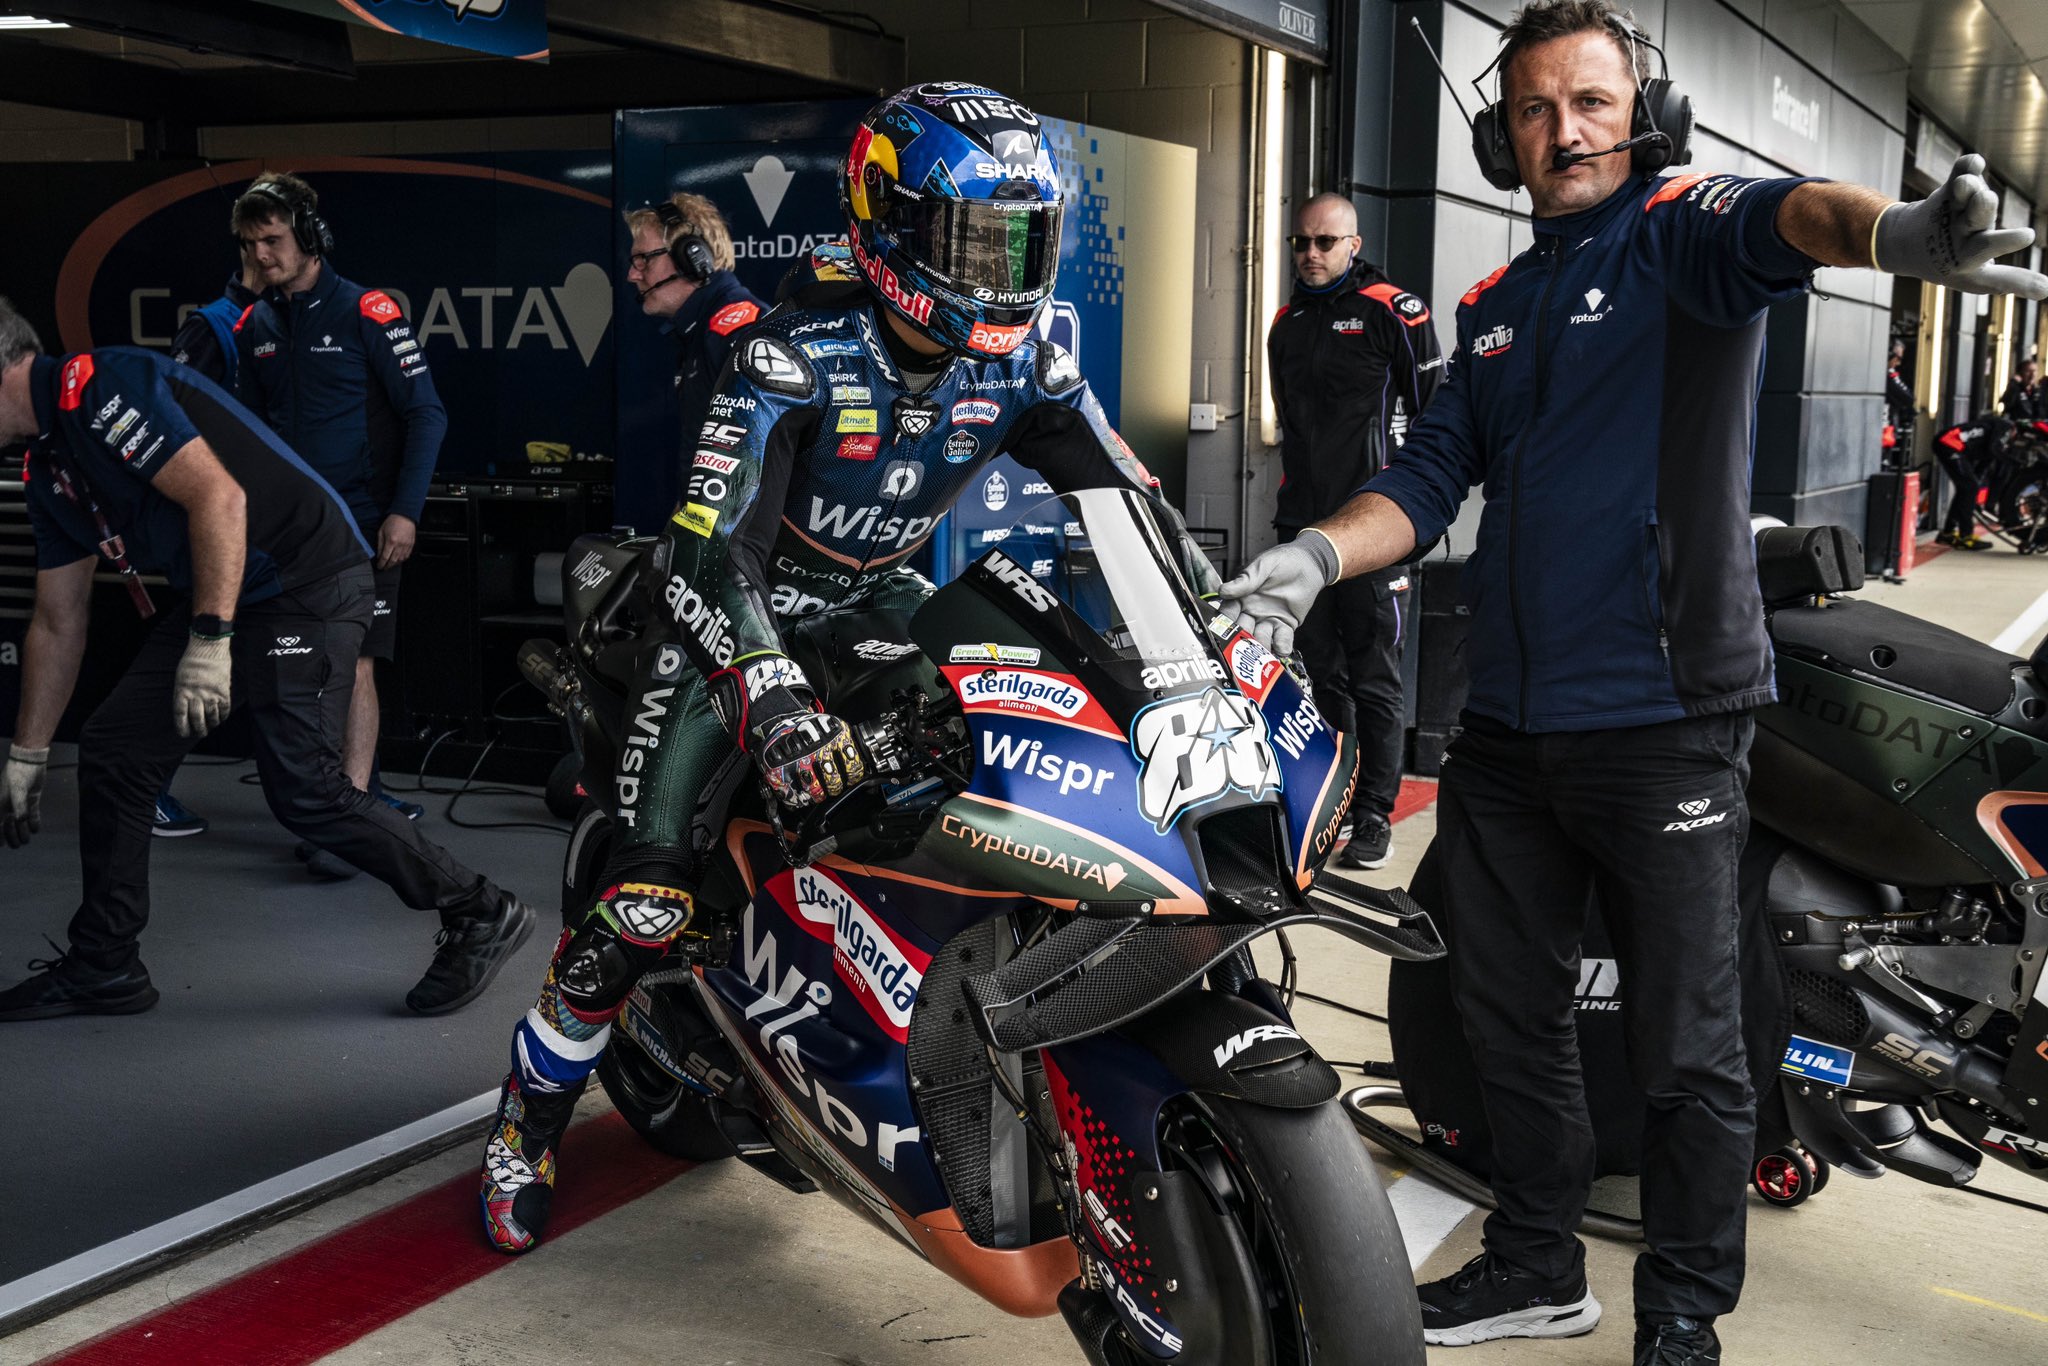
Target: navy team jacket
<point>1604,394</point>
<point>337,372</point>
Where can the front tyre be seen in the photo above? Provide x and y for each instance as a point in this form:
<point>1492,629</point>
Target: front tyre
<point>1307,1206</point>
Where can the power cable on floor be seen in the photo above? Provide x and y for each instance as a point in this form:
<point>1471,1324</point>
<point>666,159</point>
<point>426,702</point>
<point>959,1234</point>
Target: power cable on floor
<point>1339,1005</point>
<point>2003,1199</point>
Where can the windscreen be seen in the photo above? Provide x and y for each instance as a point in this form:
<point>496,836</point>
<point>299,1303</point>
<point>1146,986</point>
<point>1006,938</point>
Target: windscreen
<point>1100,554</point>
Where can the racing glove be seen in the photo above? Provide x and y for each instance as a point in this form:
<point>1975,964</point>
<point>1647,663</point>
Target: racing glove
<point>809,757</point>
<point>1276,589</point>
<point>21,794</point>
<point>199,692</point>
<point>1951,237</point>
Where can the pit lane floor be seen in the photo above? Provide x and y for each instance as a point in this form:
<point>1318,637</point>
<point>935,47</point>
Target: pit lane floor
<point>714,1266</point>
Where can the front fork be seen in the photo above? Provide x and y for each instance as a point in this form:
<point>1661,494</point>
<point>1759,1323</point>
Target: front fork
<point>1162,1266</point>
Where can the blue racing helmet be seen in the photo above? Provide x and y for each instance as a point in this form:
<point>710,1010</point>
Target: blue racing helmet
<point>952,206</point>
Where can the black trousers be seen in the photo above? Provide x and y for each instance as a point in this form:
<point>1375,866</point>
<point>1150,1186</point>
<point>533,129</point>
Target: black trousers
<point>1965,484</point>
<point>1652,819</point>
<point>294,672</point>
<point>1351,644</point>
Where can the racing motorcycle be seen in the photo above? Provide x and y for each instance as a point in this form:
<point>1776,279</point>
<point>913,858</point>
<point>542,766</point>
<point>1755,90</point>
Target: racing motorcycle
<point>1899,795</point>
<point>2016,500</point>
<point>998,998</point>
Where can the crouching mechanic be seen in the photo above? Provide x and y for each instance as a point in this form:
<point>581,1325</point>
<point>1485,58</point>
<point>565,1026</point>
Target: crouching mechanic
<point>850,420</point>
<point>151,465</point>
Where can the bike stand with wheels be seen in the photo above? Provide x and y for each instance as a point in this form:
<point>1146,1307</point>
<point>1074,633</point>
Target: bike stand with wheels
<point>1362,1100</point>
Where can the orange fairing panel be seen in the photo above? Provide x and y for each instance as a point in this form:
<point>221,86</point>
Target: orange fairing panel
<point>1991,811</point>
<point>1025,1281</point>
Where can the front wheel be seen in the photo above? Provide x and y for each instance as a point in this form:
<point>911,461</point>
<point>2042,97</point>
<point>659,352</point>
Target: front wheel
<point>1307,1206</point>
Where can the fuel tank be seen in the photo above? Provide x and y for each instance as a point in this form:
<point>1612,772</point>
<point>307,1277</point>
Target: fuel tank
<point>1902,751</point>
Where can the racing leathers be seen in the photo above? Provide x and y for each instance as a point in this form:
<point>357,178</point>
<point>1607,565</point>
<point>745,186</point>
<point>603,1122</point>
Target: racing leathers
<point>820,469</point>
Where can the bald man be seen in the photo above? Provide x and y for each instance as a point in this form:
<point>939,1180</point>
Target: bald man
<point>1351,355</point>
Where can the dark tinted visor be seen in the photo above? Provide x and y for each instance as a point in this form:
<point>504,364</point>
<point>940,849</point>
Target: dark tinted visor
<point>1010,250</point>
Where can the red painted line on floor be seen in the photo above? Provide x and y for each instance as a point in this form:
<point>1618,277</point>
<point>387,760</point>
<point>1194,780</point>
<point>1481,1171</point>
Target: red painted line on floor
<point>347,1285</point>
<point>1417,794</point>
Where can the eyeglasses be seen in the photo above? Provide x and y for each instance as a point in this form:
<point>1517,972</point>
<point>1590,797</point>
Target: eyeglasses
<point>642,259</point>
<point>1300,242</point>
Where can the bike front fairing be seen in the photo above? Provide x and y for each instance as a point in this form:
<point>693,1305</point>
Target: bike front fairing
<point>1135,755</point>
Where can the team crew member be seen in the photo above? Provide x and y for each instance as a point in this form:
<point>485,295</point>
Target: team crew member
<point>206,339</point>
<point>335,369</point>
<point>851,419</point>
<point>155,467</point>
<point>206,342</point>
<point>1348,353</point>
<point>681,268</point>
<point>1967,452</point>
<point>2024,400</point>
<point>1617,645</point>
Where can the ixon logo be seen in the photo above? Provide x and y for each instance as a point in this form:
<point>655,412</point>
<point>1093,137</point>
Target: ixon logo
<point>1695,810</point>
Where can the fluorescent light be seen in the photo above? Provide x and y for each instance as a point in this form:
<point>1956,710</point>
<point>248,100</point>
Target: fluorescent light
<point>22,21</point>
<point>1272,146</point>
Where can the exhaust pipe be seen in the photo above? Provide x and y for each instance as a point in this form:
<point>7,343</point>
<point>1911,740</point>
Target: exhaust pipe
<point>1910,1047</point>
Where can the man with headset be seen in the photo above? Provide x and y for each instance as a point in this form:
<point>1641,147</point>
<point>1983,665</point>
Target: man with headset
<point>681,267</point>
<point>335,369</point>
<point>1604,390</point>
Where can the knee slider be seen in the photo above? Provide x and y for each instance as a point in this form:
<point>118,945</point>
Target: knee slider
<point>597,970</point>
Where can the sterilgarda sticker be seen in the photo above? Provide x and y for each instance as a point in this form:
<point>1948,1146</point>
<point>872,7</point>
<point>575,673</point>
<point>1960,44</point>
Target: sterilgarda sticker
<point>884,969</point>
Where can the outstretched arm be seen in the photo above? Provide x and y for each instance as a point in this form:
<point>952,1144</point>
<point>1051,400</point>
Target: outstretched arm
<point>1949,238</point>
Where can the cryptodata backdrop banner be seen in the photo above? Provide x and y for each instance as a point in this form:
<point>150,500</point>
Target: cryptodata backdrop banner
<point>773,171</point>
<point>501,261</point>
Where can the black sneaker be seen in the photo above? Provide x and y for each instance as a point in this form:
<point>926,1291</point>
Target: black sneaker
<point>1371,839</point>
<point>174,820</point>
<point>65,986</point>
<point>1676,1341</point>
<point>520,1163</point>
<point>1488,1298</point>
<point>468,954</point>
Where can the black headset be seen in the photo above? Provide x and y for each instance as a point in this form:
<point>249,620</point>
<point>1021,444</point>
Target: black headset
<point>690,253</point>
<point>1660,130</point>
<point>309,229</point>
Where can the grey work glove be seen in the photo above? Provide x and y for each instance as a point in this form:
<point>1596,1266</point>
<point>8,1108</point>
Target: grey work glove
<point>1275,591</point>
<point>1951,237</point>
<point>21,794</point>
<point>199,694</point>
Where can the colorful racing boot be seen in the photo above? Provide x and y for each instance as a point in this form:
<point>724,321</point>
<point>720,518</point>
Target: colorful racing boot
<point>520,1162</point>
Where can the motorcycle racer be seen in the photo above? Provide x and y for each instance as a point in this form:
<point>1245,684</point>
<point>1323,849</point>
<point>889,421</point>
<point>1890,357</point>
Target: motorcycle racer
<point>848,421</point>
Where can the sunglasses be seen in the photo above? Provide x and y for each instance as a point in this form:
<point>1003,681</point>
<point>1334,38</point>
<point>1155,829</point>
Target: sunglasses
<point>642,259</point>
<point>1300,242</point>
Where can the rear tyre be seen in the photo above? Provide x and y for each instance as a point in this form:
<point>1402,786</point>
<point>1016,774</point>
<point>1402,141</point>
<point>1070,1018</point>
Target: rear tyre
<point>669,1115</point>
<point>1304,1199</point>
